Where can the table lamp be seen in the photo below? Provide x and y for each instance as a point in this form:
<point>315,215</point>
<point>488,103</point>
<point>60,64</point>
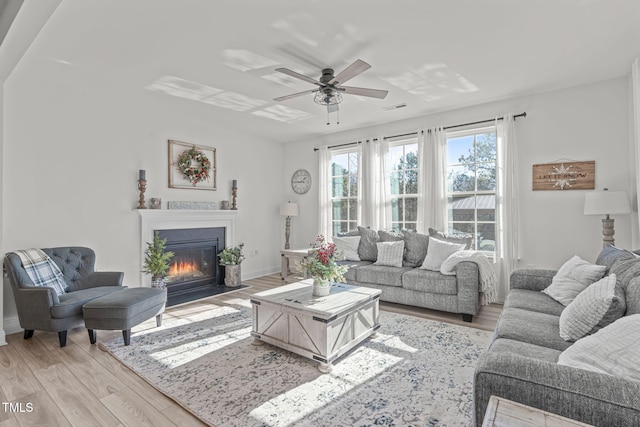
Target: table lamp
<point>607,203</point>
<point>288,209</point>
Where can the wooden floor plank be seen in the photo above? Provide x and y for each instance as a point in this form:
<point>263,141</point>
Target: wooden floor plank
<point>39,371</point>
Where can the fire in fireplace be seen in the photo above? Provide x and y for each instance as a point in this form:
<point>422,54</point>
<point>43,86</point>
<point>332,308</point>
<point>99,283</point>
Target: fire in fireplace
<point>195,265</point>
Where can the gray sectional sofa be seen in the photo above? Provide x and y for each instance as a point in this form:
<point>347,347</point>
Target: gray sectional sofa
<point>411,285</point>
<point>521,362</point>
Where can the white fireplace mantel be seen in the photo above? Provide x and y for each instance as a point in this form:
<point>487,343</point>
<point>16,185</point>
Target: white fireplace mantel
<point>167,219</point>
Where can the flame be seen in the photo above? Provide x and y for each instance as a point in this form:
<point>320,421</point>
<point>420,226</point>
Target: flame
<point>182,267</point>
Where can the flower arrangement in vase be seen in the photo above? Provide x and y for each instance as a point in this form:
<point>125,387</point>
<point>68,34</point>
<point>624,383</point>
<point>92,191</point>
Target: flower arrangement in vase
<point>321,265</point>
<point>231,258</point>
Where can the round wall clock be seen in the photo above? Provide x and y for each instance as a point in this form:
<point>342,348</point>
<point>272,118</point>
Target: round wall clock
<point>301,181</point>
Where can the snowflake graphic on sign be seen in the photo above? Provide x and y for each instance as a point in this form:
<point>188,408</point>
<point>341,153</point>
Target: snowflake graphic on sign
<point>566,180</point>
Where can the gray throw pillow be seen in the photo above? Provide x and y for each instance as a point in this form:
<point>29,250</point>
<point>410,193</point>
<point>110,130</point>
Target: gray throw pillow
<point>467,239</point>
<point>350,233</point>
<point>389,236</point>
<point>367,248</point>
<point>610,255</point>
<point>415,248</point>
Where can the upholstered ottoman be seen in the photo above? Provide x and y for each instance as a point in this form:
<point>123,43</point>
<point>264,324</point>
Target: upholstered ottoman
<point>123,310</point>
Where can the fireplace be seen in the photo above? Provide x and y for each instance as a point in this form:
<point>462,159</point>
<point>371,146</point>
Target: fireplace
<point>189,234</point>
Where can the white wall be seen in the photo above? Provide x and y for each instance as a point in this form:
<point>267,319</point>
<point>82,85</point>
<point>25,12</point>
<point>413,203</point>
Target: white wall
<point>580,123</point>
<point>72,150</point>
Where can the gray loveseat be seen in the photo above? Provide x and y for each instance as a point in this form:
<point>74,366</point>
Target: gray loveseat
<point>411,285</point>
<point>521,362</point>
<point>42,308</point>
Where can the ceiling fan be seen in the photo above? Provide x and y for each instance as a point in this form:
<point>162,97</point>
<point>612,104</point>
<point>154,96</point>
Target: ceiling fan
<point>329,91</point>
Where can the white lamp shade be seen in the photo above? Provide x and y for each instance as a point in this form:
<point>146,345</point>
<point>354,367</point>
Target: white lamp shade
<point>606,203</point>
<point>289,209</point>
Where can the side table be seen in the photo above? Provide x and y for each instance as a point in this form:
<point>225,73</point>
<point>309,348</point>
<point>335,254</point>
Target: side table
<point>288,258</point>
<point>503,412</point>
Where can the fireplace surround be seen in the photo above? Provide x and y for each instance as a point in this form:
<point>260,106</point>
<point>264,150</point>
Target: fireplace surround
<point>197,235</point>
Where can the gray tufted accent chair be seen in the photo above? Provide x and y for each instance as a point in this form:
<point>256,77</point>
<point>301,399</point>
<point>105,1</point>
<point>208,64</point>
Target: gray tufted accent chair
<point>41,308</point>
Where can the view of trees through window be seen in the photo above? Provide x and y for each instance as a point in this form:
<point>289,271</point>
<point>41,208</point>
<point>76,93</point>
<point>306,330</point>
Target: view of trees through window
<point>404,184</point>
<point>344,190</point>
<point>471,185</point>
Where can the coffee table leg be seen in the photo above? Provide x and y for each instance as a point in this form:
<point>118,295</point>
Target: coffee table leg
<point>325,368</point>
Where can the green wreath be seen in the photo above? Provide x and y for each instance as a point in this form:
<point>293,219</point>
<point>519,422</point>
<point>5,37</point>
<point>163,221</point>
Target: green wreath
<point>194,174</point>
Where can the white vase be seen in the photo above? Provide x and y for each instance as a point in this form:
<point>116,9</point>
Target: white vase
<point>321,287</point>
<point>232,275</point>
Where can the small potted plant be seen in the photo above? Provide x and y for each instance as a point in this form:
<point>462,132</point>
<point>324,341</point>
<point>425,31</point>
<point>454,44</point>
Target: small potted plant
<point>156,260</point>
<point>231,258</point>
<point>321,265</point>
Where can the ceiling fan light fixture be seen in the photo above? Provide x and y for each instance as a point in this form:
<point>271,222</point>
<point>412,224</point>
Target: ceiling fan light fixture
<point>327,97</point>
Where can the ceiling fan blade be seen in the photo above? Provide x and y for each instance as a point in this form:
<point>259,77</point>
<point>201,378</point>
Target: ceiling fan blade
<point>350,72</point>
<point>361,91</point>
<point>299,76</point>
<point>293,95</point>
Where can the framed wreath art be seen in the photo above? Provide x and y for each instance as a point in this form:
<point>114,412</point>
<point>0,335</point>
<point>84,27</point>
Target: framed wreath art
<point>191,166</point>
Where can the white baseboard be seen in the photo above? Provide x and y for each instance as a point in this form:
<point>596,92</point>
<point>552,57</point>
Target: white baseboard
<point>3,340</point>
<point>12,325</point>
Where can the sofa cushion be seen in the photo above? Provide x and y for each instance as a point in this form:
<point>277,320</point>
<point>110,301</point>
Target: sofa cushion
<point>390,253</point>
<point>505,345</point>
<point>594,308</point>
<point>626,270</point>
<point>415,248</point>
<point>381,275</point>
<point>71,303</point>
<point>532,327</point>
<point>609,255</point>
<point>367,248</point>
<point>533,301</point>
<point>572,278</point>
<point>632,296</point>
<point>421,280</point>
<point>613,350</point>
<point>438,251</point>
<point>467,239</point>
<point>352,267</point>
<point>347,247</point>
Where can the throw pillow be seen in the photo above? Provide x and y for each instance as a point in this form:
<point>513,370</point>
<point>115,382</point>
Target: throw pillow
<point>389,236</point>
<point>609,255</point>
<point>347,247</point>
<point>572,278</point>
<point>415,245</point>
<point>367,249</point>
<point>438,251</point>
<point>355,232</point>
<point>612,350</point>
<point>467,239</point>
<point>594,308</point>
<point>390,253</point>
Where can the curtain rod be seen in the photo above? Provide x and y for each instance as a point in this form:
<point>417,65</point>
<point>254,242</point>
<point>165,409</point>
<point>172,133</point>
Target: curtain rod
<point>523,114</point>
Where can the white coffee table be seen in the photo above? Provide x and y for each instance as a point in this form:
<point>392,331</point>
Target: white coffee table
<point>319,328</point>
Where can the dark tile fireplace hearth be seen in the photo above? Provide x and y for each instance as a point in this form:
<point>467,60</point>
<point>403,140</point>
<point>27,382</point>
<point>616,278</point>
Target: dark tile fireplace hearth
<point>195,270</point>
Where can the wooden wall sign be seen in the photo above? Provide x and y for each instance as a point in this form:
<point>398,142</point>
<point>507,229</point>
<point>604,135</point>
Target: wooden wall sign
<point>564,176</point>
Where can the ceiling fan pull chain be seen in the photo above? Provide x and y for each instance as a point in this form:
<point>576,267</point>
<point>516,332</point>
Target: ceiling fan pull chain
<point>338,116</point>
<point>327,116</point>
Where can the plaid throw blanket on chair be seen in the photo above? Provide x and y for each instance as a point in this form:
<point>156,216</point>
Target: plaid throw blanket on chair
<point>42,270</point>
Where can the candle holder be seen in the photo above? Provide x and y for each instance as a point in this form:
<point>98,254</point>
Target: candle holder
<point>234,195</point>
<point>142,186</point>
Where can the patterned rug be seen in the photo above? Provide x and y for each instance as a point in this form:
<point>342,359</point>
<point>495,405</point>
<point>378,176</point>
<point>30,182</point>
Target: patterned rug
<point>413,372</point>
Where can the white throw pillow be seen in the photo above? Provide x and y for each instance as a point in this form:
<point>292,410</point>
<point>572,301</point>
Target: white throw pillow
<point>347,247</point>
<point>593,308</point>
<point>613,350</point>
<point>572,278</point>
<point>438,251</point>
<point>390,253</point>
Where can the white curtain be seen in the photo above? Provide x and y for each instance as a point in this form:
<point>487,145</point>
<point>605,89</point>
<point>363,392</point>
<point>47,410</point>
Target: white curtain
<point>324,188</point>
<point>635,82</point>
<point>507,215</point>
<point>432,200</point>
<point>375,188</point>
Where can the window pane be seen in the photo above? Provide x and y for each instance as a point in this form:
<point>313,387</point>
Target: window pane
<point>410,226</point>
<point>461,208</point>
<point>460,150</point>
<point>340,164</point>
<point>337,228</point>
<point>395,156</point>
<point>396,226</point>
<point>395,216</point>
<point>486,207</point>
<point>353,225</point>
<point>486,237</point>
<point>486,146</point>
<point>411,209</point>
<point>339,188</point>
<point>461,228</point>
<point>461,178</point>
<point>353,209</point>
<point>340,210</point>
<point>353,163</point>
<point>353,185</point>
<point>486,176</point>
<point>412,182</point>
<point>396,182</point>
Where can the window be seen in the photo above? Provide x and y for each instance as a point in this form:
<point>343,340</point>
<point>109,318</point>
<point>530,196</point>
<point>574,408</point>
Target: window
<point>471,185</point>
<point>404,184</point>
<point>344,190</point>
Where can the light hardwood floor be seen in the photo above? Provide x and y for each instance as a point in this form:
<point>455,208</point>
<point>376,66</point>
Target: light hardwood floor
<point>80,385</point>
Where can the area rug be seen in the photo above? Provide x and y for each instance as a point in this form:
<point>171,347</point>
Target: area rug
<point>413,372</point>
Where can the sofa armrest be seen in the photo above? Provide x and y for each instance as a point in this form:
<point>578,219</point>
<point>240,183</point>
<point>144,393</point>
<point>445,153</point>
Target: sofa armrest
<point>98,278</point>
<point>578,394</point>
<point>468,279</point>
<point>35,299</point>
<point>531,279</point>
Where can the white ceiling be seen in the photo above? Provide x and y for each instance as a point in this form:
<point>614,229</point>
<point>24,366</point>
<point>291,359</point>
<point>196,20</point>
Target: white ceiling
<point>216,59</point>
